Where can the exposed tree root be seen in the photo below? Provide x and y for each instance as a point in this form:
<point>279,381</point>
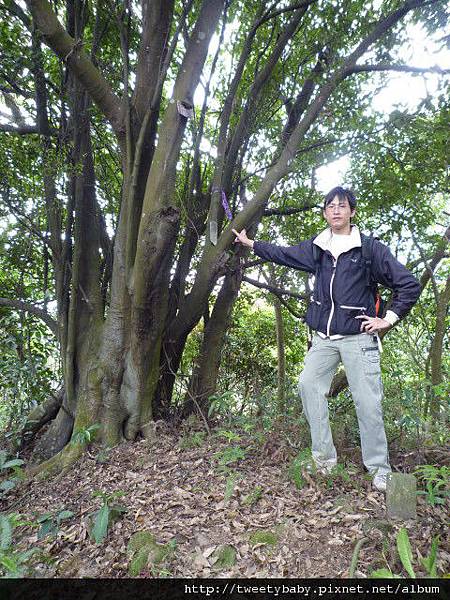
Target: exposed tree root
<point>58,464</point>
<point>40,415</point>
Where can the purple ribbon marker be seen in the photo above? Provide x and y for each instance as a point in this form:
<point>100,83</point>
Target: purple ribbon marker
<point>226,207</point>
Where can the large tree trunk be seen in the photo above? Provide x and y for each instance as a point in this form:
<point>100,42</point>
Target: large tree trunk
<point>173,347</point>
<point>204,378</point>
<point>438,398</point>
<point>281,391</point>
<point>159,225</point>
<point>82,398</point>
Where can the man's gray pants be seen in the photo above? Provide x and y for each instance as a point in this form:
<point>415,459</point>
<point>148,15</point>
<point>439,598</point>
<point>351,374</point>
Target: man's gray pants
<point>361,359</point>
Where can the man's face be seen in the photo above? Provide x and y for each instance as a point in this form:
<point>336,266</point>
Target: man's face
<point>338,214</point>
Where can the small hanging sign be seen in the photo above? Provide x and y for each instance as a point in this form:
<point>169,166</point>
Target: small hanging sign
<point>185,110</point>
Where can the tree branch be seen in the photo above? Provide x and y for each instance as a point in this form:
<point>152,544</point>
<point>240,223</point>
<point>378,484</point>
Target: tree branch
<point>269,212</point>
<point>284,164</point>
<point>24,130</point>
<point>278,293</point>
<point>273,14</point>
<point>402,68</point>
<point>32,309</point>
<point>275,290</point>
<point>435,259</point>
<point>70,51</point>
<point>14,9</point>
<point>156,22</point>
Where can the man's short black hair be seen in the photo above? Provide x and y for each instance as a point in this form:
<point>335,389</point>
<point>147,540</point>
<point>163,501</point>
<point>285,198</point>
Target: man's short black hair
<point>342,194</point>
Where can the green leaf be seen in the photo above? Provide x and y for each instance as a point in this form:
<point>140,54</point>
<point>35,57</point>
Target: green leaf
<point>404,551</point>
<point>99,494</point>
<point>7,485</point>
<point>5,532</point>
<point>117,494</point>
<point>15,462</point>
<point>230,485</point>
<point>225,557</point>
<point>64,514</point>
<point>140,539</point>
<point>100,528</point>
<point>162,552</point>
<point>116,510</point>
<point>9,563</point>
<point>264,537</point>
<point>24,556</point>
<point>44,517</point>
<point>140,561</point>
<point>429,562</point>
<point>383,574</point>
<point>48,527</point>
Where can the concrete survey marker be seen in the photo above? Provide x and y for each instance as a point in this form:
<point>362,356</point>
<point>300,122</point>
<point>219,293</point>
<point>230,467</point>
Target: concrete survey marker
<point>401,496</point>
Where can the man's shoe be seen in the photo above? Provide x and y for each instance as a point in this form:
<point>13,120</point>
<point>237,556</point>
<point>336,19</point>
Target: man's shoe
<point>379,482</point>
<point>324,466</point>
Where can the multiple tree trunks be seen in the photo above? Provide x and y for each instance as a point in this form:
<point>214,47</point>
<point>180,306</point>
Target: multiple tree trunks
<point>121,356</point>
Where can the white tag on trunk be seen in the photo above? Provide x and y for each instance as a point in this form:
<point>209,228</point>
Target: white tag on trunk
<point>213,232</point>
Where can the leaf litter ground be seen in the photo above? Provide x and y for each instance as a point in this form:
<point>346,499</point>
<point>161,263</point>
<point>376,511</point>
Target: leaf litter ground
<point>244,519</point>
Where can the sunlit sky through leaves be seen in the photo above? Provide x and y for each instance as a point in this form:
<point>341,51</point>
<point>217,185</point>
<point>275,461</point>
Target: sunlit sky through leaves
<point>402,91</point>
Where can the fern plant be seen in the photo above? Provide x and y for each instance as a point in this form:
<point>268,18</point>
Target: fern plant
<point>229,455</point>
<point>253,497</point>
<point>295,471</point>
<point>230,436</point>
<point>194,440</point>
<point>230,484</point>
<point>145,552</point>
<point>436,481</point>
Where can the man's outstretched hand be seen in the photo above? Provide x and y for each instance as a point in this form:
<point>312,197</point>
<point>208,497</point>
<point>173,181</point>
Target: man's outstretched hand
<point>242,238</point>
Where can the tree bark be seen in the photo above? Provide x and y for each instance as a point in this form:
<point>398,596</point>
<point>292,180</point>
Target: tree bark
<point>82,399</point>
<point>204,378</point>
<point>40,416</point>
<point>281,392</point>
<point>438,398</point>
<point>159,224</point>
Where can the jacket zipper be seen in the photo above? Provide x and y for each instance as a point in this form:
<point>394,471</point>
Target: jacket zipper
<point>354,307</point>
<point>331,296</point>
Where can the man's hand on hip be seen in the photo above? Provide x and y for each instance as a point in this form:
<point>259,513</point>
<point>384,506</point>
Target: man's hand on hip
<point>372,324</point>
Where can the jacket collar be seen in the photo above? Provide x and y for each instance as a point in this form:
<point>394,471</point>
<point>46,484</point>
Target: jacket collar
<point>323,240</point>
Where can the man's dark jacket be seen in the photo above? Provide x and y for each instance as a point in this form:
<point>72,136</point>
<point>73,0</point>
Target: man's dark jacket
<point>345,279</point>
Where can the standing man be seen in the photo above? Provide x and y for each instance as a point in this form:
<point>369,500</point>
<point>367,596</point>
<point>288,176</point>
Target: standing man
<point>343,316</point>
